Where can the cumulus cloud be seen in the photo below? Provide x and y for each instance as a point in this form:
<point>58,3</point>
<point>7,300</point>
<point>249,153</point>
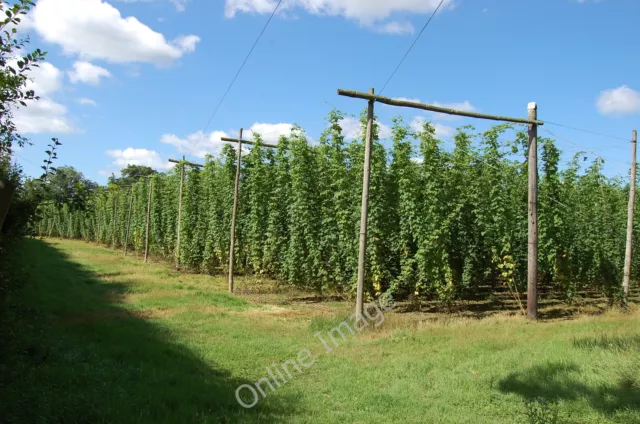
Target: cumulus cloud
<point>94,29</point>
<point>270,133</point>
<point>44,115</point>
<point>352,129</point>
<point>197,144</point>
<point>44,79</point>
<point>87,73</point>
<point>442,131</point>
<point>370,13</point>
<point>395,27</point>
<point>200,144</point>
<point>86,102</point>
<point>132,156</point>
<point>465,106</point>
<point>181,5</point>
<point>618,101</point>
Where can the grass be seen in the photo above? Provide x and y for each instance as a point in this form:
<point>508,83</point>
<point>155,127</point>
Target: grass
<point>95,337</point>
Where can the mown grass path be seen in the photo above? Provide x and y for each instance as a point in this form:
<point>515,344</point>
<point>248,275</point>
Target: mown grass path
<point>92,336</point>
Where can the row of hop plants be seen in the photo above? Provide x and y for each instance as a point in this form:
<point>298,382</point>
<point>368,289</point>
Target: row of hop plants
<point>446,220</point>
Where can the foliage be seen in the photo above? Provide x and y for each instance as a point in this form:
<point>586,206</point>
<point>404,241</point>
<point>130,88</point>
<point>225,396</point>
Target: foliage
<point>13,73</point>
<point>130,174</point>
<point>446,221</point>
<point>96,337</point>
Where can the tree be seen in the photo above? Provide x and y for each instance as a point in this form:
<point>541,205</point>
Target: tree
<point>130,175</point>
<point>13,73</point>
<point>64,186</point>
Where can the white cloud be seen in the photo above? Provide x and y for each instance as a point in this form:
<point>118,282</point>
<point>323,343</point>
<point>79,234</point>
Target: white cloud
<point>366,12</point>
<point>197,144</point>
<point>270,133</point>
<point>395,27</point>
<point>465,106</point>
<point>86,102</point>
<point>352,129</point>
<point>187,43</point>
<point>44,79</point>
<point>87,73</point>
<point>43,116</point>
<point>618,101</point>
<point>94,29</point>
<point>406,99</point>
<point>180,5</point>
<point>442,131</point>
<point>131,156</point>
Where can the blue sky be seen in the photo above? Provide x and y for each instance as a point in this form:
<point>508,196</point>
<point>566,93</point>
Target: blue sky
<point>135,81</point>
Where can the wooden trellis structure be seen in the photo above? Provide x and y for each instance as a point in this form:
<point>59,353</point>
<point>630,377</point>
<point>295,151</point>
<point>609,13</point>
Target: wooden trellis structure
<point>182,164</point>
<point>236,189</point>
<point>531,120</point>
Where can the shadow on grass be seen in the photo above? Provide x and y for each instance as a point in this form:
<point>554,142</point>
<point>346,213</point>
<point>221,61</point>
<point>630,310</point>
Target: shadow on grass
<point>128,369</point>
<point>561,381</point>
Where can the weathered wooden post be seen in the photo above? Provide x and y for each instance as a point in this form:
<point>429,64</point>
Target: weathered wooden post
<point>234,212</point>
<point>179,224</point>
<point>126,237</point>
<point>630,213</point>
<point>115,220</point>
<point>146,236</point>
<point>232,242</point>
<point>532,259</point>
<point>182,164</point>
<point>364,208</point>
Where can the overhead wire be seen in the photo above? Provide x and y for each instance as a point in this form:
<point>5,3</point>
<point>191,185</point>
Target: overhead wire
<point>588,131</point>
<point>244,62</point>
<point>584,148</point>
<point>412,45</point>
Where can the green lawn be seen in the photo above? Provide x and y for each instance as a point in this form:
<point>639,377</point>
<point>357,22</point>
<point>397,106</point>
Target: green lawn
<point>96,337</point>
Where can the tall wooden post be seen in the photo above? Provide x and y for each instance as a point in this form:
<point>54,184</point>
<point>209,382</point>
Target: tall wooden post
<point>234,213</point>
<point>364,209</point>
<point>115,218</point>
<point>630,210</point>
<point>98,216</point>
<point>126,237</point>
<point>532,268</point>
<point>146,236</point>
<point>179,213</point>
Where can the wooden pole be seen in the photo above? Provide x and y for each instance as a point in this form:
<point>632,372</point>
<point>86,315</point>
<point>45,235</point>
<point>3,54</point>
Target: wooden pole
<point>630,211</point>
<point>532,260</point>
<point>146,236</point>
<point>232,241</point>
<point>179,214</point>
<point>115,217</point>
<point>126,237</point>
<point>364,209</point>
<point>432,108</point>
<point>98,215</point>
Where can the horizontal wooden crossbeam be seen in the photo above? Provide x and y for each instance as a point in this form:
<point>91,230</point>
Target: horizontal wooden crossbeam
<point>432,108</point>
<point>186,163</point>
<point>236,140</point>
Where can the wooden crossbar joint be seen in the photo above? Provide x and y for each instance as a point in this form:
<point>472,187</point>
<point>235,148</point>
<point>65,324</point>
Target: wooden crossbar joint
<point>197,165</point>
<point>432,108</point>
<point>253,143</point>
